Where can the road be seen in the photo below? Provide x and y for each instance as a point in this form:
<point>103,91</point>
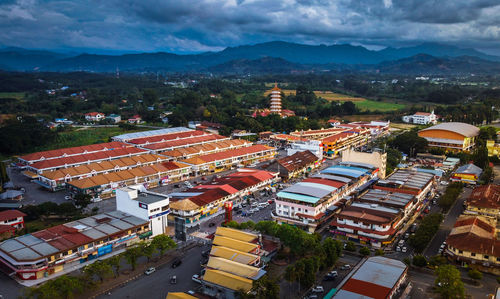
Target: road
<point>448,223</point>
<point>157,285</point>
<point>9,288</point>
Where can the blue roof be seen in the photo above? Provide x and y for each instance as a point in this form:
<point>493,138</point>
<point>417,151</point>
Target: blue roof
<point>347,172</point>
<point>350,167</point>
<point>298,197</point>
<point>316,185</point>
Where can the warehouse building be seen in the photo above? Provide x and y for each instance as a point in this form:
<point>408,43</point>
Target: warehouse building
<point>43,253</point>
<point>377,277</point>
<point>452,136</point>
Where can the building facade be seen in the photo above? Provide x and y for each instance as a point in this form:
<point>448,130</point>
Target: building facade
<point>452,136</point>
<point>484,201</point>
<point>421,118</point>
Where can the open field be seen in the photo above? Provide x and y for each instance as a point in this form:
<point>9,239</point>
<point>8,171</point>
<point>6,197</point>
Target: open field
<point>12,95</point>
<point>380,106</point>
<point>362,103</point>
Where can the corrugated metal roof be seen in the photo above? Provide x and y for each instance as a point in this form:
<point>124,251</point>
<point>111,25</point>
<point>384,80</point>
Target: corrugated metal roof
<point>332,177</point>
<point>317,185</point>
<point>298,197</point>
<point>179,295</point>
<point>234,244</point>
<point>228,280</point>
<point>233,255</point>
<point>381,271</point>
<point>346,172</point>
<point>235,234</point>
<point>456,127</point>
<point>307,190</point>
<point>235,268</point>
<point>129,136</point>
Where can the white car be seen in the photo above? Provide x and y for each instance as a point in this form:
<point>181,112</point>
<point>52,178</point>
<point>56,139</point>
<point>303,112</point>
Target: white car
<point>67,197</point>
<point>398,248</point>
<point>253,210</point>
<point>318,289</point>
<point>404,249</point>
<point>442,246</point>
<point>150,270</point>
<point>196,278</point>
<point>345,267</point>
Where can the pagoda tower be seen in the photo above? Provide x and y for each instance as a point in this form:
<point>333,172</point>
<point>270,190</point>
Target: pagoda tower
<point>275,100</point>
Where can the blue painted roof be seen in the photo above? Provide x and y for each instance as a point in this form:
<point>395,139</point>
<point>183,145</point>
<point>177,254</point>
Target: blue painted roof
<point>350,167</point>
<point>298,197</point>
<point>316,185</point>
<point>347,172</point>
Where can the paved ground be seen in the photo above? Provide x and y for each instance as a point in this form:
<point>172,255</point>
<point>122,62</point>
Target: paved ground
<point>9,288</point>
<point>157,285</point>
<point>35,194</point>
<point>447,225</point>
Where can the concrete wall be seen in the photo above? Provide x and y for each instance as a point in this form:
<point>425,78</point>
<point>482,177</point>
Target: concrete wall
<point>376,159</point>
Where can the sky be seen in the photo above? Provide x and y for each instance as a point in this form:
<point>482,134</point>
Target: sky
<point>192,26</point>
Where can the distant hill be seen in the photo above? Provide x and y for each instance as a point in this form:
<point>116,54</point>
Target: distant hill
<point>26,60</point>
<point>287,57</point>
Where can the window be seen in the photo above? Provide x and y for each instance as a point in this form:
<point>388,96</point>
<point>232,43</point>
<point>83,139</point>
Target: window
<point>486,257</point>
<point>460,251</point>
<point>472,254</point>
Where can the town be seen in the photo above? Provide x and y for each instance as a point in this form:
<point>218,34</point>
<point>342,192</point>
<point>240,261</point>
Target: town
<point>189,213</point>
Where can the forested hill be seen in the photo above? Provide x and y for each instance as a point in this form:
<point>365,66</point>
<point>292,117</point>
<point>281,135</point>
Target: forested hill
<point>271,57</point>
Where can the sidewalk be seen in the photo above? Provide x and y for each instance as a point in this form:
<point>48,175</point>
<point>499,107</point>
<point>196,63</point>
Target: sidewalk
<point>66,270</point>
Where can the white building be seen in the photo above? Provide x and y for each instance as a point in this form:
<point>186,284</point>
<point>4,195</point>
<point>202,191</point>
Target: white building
<point>94,116</point>
<point>136,201</point>
<point>314,146</point>
<point>421,118</point>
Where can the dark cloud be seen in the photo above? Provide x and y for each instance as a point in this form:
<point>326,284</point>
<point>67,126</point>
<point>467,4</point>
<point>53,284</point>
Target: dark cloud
<point>203,25</point>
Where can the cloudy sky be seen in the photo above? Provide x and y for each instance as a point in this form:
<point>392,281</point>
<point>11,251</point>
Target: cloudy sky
<point>186,26</point>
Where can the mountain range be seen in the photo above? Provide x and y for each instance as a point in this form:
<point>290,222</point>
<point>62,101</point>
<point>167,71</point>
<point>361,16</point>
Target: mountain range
<point>271,57</point>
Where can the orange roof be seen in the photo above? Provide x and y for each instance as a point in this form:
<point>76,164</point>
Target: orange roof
<point>337,137</point>
<point>486,196</point>
<point>276,87</point>
<point>229,154</point>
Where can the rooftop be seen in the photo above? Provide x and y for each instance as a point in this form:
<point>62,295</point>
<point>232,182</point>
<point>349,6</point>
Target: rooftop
<point>486,196</point>
<point>463,129</point>
<point>129,136</point>
<point>475,234</point>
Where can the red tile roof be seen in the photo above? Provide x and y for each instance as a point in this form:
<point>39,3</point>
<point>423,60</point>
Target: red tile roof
<point>74,151</point>
<point>366,288</point>
<point>166,145</point>
<point>337,137</point>
<point>87,158</point>
<point>93,113</point>
<point>486,196</point>
<point>166,137</point>
<point>234,153</point>
<point>297,161</point>
<point>10,214</point>
<point>472,234</point>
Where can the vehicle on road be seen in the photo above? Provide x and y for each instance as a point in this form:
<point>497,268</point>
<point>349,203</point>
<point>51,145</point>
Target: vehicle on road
<point>444,183</point>
<point>176,263</point>
<point>345,267</point>
<point>253,210</point>
<point>398,248</point>
<point>318,289</point>
<point>404,249</point>
<point>67,197</point>
<point>173,279</point>
<point>150,270</point>
<point>196,278</point>
<point>211,224</point>
<point>311,296</point>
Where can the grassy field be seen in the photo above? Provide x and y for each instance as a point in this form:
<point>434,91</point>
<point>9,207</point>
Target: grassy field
<point>15,95</point>
<point>85,136</point>
<point>362,103</point>
<point>380,106</point>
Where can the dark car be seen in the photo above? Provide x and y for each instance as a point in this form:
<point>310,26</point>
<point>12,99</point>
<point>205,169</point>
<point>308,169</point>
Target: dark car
<point>205,253</point>
<point>211,224</point>
<point>328,277</point>
<point>176,263</point>
<point>176,186</point>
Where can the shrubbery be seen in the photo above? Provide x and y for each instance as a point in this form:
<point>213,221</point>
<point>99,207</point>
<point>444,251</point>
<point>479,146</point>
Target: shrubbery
<point>425,232</point>
<point>450,195</point>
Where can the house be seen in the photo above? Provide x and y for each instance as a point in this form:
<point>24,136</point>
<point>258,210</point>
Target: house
<point>484,201</point>
<point>468,173</point>
<point>94,116</point>
<point>421,118</point>
<point>333,122</point>
<point>136,119</point>
<point>295,165</point>
<point>114,117</point>
<point>12,218</point>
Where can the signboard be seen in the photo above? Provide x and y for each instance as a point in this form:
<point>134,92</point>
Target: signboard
<point>143,205</point>
<point>159,214</point>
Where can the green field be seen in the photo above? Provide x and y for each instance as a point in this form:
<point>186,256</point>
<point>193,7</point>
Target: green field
<point>12,95</point>
<point>82,136</point>
<point>380,106</point>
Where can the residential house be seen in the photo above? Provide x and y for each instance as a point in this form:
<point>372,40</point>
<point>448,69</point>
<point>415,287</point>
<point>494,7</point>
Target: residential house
<point>94,116</point>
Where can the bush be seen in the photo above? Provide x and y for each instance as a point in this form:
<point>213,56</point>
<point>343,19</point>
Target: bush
<point>425,232</point>
<point>437,260</point>
<point>350,246</point>
<point>407,261</point>
<point>364,251</point>
<point>450,195</point>
<point>379,252</point>
<point>419,261</point>
<point>475,274</point>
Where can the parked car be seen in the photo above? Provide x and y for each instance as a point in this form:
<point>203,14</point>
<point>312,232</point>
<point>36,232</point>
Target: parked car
<point>318,289</point>
<point>173,279</point>
<point>398,248</point>
<point>345,267</point>
<point>150,270</point>
<point>253,210</point>
<point>404,249</point>
<point>211,224</point>
<point>196,278</point>
<point>176,263</point>
<point>67,197</point>
<point>205,253</point>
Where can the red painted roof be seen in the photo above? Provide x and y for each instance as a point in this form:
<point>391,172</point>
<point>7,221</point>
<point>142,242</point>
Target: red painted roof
<point>86,158</point>
<point>337,137</point>
<point>11,214</point>
<point>486,196</point>
<point>367,289</point>
<point>63,237</point>
<point>327,182</point>
<point>166,137</point>
<point>74,150</point>
<point>93,113</point>
<point>166,145</point>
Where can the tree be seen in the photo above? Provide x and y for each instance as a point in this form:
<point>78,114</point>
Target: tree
<point>163,243</point>
<point>448,282</point>
<point>265,288</point>
<point>364,251</point>
<point>115,262</point>
<point>146,249</point>
<point>82,200</point>
<point>350,246</point>
<point>131,255</point>
<point>379,252</point>
<point>100,269</point>
<point>409,142</point>
<point>419,261</point>
<point>475,274</point>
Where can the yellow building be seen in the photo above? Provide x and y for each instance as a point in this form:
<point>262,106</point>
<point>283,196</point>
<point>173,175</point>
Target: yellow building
<point>484,201</point>
<point>473,241</point>
<point>452,136</point>
<point>493,148</point>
